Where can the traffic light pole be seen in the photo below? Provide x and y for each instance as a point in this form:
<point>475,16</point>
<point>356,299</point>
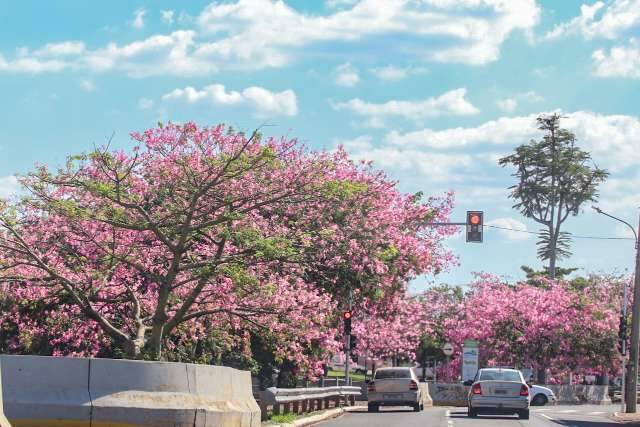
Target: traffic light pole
<point>632,366</point>
<point>623,384</point>
<point>632,374</point>
<point>347,349</point>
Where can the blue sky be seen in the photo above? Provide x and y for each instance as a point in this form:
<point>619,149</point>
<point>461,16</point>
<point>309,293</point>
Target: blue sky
<point>434,91</point>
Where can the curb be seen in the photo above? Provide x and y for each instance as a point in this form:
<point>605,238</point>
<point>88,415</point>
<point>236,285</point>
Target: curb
<point>316,417</point>
<point>625,418</point>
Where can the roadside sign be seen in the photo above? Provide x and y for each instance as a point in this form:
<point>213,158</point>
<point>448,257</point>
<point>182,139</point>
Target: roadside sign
<point>447,349</point>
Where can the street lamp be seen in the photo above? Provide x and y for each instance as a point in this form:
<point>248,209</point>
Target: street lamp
<point>632,367</point>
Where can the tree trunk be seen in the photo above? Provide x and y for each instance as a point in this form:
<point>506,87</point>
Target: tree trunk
<point>542,376</point>
<point>155,342</point>
<point>553,241</point>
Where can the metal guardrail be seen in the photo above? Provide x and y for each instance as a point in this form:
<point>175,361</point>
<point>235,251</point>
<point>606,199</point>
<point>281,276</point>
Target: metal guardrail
<point>303,400</point>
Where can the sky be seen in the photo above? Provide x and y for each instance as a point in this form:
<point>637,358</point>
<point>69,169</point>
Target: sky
<point>433,91</point>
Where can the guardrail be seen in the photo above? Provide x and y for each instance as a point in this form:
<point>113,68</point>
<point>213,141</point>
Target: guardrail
<point>303,400</point>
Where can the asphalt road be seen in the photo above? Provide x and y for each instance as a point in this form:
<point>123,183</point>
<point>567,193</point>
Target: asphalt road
<point>548,416</point>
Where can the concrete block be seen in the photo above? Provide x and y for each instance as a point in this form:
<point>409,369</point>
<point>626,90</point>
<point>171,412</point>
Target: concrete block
<point>141,393</point>
<point>4,422</point>
<point>444,394</point>
<point>51,389</point>
<point>427,401</point>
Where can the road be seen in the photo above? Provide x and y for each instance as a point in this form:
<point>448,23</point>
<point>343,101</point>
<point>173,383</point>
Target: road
<point>548,416</point>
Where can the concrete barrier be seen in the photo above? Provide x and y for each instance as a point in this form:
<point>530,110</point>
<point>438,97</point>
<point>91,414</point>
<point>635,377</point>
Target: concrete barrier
<point>39,388</point>
<point>4,422</point>
<point>456,394</point>
<point>448,394</point>
<point>47,391</point>
<point>579,394</point>
<point>427,401</point>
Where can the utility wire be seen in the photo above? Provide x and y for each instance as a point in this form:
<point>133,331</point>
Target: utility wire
<point>573,236</point>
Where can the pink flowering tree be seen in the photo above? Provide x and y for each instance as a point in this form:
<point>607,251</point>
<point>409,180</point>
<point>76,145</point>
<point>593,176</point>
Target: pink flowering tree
<point>192,223</point>
<point>555,328</point>
<point>203,233</point>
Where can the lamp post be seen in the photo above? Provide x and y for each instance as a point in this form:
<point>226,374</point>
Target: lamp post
<point>632,367</point>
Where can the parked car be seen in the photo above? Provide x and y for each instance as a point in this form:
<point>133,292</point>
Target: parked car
<point>499,391</point>
<point>540,396</point>
<point>394,387</point>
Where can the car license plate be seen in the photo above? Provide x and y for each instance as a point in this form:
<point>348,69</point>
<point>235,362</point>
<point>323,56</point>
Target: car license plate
<point>501,391</point>
<point>390,396</point>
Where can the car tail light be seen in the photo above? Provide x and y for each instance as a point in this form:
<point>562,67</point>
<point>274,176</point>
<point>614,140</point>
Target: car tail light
<point>371,386</point>
<point>524,390</point>
<point>413,385</point>
<point>476,389</point>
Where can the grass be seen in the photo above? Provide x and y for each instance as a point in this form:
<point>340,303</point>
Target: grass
<point>283,419</point>
<point>340,374</point>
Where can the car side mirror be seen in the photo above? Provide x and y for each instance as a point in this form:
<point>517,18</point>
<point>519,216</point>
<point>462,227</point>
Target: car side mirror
<point>468,382</point>
<point>529,384</point>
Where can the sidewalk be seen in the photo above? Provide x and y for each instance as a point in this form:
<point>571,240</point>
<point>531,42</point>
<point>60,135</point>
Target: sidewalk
<point>315,417</point>
<point>623,417</point>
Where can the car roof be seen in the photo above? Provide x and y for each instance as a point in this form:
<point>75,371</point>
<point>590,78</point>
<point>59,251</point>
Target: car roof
<point>499,369</point>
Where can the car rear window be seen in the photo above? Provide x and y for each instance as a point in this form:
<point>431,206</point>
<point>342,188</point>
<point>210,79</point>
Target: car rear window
<point>500,376</point>
<point>392,373</point>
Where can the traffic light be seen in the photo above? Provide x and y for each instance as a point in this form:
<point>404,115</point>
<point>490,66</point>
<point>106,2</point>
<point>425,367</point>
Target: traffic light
<point>622,335</point>
<point>474,226</point>
<point>353,343</point>
<point>347,322</point>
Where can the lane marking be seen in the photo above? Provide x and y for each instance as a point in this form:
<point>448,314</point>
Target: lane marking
<point>547,417</point>
<point>596,413</point>
<point>448,413</point>
<point>569,411</point>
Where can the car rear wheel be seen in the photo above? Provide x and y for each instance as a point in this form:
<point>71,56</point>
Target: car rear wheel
<point>524,414</point>
<point>539,400</point>
<point>472,412</point>
<point>372,408</point>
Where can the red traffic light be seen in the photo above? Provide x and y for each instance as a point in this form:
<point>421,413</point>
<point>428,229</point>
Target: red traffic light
<point>474,226</point>
<point>346,315</point>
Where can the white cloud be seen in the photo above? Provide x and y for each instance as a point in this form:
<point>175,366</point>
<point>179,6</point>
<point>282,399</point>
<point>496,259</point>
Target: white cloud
<point>87,85</point>
<point>8,186</point>
<point>611,139</point>
<point>254,34</point>
<point>138,19</point>
<point>620,61</point>
<point>510,228</point>
<point>68,48</point>
<point>145,104</point>
<point>449,103</point>
<point>611,20</point>
<point>619,193</point>
<point>346,75</point>
<point>31,65</point>
<point>507,105</point>
<point>167,16</point>
<point>393,73</point>
<point>340,3</point>
<point>263,101</point>
<point>603,20</point>
<point>475,28</point>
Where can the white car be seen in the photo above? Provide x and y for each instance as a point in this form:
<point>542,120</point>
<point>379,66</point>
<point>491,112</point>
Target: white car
<point>394,387</point>
<point>540,396</point>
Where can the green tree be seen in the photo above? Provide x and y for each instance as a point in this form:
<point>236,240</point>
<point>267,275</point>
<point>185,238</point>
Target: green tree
<point>555,178</point>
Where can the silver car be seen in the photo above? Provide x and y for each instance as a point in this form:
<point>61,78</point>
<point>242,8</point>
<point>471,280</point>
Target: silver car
<point>499,391</point>
<point>394,387</point>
